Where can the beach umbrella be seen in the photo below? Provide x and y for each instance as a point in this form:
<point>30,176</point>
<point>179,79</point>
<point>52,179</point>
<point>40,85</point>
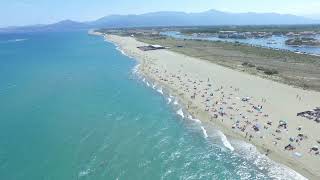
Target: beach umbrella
<point>296,154</point>
<point>315,148</point>
<point>258,125</point>
<point>282,122</point>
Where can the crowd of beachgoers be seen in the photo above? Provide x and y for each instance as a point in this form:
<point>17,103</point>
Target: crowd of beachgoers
<point>245,115</point>
<point>212,93</point>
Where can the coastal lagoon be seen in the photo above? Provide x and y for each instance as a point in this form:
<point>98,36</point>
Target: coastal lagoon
<point>273,42</point>
<point>72,106</point>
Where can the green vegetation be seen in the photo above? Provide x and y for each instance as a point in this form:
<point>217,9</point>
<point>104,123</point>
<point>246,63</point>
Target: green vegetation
<point>287,67</point>
<point>280,29</point>
<point>303,41</point>
<point>248,64</point>
<point>267,71</point>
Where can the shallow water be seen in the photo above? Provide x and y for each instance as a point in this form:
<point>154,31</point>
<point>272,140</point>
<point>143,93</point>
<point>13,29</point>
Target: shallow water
<point>73,107</point>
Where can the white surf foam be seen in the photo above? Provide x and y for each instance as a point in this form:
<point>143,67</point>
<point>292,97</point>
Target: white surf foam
<point>175,102</point>
<point>120,50</point>
<point>160,90</point>
<point>13,40</point>
<point>180,113</point>
<point>84,173</point>
<point>106,39</point>
<point>195,120</point>
<point>154,86</point>
<point>274,170</point>
<point>17,40</point>
<point>169,100</point>
<point>135,69</point>
<point>148,84</point>
<point>225,141</point>
<point>204,132</point>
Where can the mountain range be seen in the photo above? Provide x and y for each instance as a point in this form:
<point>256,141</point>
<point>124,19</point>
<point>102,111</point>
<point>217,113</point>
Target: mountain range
<point>171,18</point>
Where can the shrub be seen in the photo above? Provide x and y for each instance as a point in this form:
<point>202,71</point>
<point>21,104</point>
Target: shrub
<point>248,64</point>
<point>267,71</point>
<point>245,64</point>
<point>260,68</point>
<point>271,72</point>
<point>251,65</point>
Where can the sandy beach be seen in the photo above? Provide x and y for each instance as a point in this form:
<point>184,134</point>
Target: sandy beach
<point>256,110</point>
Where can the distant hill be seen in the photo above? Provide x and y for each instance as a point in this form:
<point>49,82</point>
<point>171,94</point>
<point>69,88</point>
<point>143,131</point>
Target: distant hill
<point>168,18</point>
<point>66,25</point>
<point>208,18</point>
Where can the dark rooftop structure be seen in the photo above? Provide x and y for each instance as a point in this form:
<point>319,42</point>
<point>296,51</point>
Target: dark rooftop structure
<point>151,47</point>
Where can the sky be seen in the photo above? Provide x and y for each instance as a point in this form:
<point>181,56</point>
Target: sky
<point>27,12</point>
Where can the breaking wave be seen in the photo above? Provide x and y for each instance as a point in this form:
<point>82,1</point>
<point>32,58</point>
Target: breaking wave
<point>273,169</point>
<point>13,40</point>
<point>204,132</point>
<point>169,100</point>
<point>225,141</point>
<point>180,113</point>
<point>195,120</point>
<point>160,90</point>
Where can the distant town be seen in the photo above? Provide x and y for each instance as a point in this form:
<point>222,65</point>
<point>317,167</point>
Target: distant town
<point>297,36</point>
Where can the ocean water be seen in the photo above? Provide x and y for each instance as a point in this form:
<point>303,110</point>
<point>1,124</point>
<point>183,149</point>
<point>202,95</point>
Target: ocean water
<point>72,107</point>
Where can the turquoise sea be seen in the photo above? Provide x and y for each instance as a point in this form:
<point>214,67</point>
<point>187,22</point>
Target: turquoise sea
<point>72,108</point>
